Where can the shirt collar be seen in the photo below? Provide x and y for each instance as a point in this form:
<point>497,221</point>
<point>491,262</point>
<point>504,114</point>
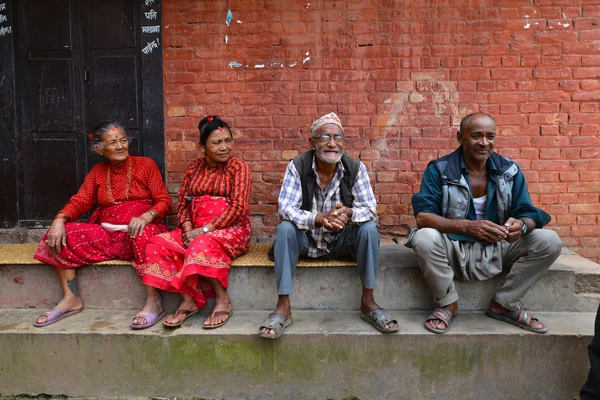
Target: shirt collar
<point>492,169</point>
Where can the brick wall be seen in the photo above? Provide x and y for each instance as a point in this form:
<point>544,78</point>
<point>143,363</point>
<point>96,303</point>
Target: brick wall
<point>400,74</point>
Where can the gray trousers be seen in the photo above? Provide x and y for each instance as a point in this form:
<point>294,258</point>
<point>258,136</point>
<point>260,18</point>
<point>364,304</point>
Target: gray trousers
<point>359,242</point>
<point>527,259</point>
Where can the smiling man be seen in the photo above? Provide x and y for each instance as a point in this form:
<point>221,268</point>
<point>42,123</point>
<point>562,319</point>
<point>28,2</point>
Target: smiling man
<point>475,218</point>
<point>328,210</point>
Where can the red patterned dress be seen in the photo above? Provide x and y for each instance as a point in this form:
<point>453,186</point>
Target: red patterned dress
<point>218,195</point>
<point>121,193</point>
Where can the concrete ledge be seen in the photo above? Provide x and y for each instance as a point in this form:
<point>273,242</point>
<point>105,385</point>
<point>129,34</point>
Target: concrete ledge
<point>566,287</point>
<point>324,355</point>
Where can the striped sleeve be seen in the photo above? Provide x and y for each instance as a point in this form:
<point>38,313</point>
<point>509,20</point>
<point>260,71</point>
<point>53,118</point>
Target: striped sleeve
<point>240,182</point>
<point>183,209</point>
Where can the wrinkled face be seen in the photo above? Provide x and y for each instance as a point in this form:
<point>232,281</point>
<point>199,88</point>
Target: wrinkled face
<point>115,146</point>
<point>217,148</point>
<point>328,143</point>
<point>478,138</point>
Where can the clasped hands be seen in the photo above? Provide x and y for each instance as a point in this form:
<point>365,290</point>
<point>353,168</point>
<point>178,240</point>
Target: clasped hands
<point>188,234</point>
<point>491,232</point>
<point>337,218</point>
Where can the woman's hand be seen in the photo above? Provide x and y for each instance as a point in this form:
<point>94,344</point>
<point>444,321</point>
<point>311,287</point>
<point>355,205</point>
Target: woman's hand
<point>188,236</point>
<point>137,224</point>
<point>57,235</point>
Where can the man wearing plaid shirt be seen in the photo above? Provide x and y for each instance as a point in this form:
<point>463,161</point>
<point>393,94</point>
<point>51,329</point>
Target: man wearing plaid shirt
<point>328,210</point>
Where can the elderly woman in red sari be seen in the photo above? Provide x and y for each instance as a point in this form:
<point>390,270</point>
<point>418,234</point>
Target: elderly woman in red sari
<point>132,202</point>
<point>213,228</point>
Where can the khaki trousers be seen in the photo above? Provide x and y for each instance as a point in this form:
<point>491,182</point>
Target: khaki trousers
<point>527,259</point>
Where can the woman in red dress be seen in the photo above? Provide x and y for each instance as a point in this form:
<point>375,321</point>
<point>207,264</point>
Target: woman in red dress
<point>132,200</point>
<point>213,228</point>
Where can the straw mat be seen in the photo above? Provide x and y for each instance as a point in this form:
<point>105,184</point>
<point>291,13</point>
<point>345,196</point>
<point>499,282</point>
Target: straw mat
<point>22,254</point>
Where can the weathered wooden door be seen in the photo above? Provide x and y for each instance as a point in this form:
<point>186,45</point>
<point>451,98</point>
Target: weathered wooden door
<point>80,63</point>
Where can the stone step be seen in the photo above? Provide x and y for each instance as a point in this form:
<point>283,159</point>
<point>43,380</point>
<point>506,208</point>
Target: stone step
<point>572,284</point>
<point>323,355</point>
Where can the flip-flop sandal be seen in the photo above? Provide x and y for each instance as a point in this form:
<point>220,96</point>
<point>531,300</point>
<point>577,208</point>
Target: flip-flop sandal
<point>217,314</point>
<point>379,318</point>
<point>441,314</point>
<point>55,316</point>
<point>276,322</point>
<point>519,318</point>
<point>187,314</point>
<point>150,318</point>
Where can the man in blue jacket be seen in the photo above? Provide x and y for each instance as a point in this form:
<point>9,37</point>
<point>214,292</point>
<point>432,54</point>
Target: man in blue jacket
<point>475,217</point>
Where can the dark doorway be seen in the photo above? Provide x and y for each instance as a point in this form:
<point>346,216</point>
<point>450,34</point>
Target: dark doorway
<point>80,62</point>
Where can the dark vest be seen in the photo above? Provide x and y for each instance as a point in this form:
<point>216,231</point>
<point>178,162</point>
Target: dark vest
<point>303,164</point>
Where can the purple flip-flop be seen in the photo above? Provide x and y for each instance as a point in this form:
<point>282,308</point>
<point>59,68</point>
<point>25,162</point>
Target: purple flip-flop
<point>55,316</point>
<point>151,319</point>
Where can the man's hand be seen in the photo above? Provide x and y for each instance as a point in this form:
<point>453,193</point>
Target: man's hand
<point>486,230</point>
<point>337,218</point>
<point>514,227</point>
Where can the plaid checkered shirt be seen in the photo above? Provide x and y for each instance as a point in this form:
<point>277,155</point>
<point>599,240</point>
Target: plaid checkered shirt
<point>364,205</point>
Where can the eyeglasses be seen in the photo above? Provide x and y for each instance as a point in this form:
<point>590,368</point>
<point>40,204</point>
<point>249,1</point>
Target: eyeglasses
<point>324,139</point>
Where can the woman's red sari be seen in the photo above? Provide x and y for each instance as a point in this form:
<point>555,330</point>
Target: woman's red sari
<point>89,243</point>
<point>135,187</point>
<point>221,197</point>
<point>173,267</point>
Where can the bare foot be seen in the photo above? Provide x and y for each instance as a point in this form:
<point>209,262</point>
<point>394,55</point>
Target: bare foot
<point>436,323</point>
<point>283,307</point>
<point>187,303</point>
<point>68,303</point>
<point>223,305</point>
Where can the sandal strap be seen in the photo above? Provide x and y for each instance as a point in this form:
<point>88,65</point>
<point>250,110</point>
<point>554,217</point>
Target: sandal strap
<point>442,314</point>
<point>273,320</point>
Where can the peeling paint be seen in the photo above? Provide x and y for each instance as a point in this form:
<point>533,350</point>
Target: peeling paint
<point>235,64</point>
<point>226,39</point>
<point>293,64</point>
<point>259,66</point>
<point>305,60</point>
<point>238,21</point>
<point>229,17</point>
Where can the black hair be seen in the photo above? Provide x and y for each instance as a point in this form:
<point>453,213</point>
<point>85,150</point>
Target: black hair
<point>102,128</point>
<point>210,124</point>
<point>468,118</point>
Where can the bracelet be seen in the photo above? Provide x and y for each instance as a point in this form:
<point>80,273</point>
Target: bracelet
<point>186,230</point>
<point>62,215</point>
<point>154,214</point>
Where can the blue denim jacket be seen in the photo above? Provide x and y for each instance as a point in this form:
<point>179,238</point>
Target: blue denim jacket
<point>451,170</point>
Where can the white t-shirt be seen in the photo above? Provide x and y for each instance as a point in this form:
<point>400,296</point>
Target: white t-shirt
<point>479,204</point>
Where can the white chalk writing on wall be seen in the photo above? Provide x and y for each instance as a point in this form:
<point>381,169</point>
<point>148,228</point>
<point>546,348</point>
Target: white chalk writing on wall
<point>150,14</point>
<point>149,2</point>
<point>5,30</point>
<point>3,18</point>
<point>3,7</point>
<point>150,46</point>
<point>151,29</point>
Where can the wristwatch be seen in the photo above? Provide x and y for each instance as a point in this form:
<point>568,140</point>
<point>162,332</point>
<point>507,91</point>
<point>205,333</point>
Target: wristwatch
<point>523,228</point>
<point>204,229</point>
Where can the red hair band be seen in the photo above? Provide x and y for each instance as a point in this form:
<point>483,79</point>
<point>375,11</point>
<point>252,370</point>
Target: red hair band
<point>209,119</point>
